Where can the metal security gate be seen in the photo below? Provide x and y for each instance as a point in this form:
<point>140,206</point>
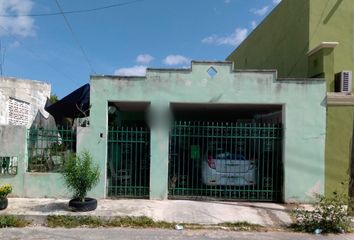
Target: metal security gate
<point>128,162</point>
<point>225,161</point>
<point>48,149</point>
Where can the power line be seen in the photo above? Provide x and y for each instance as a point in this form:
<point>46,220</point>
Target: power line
<point>75,37</point>
<point>74,11</point>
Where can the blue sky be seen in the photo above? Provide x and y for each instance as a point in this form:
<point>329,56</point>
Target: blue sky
<point>120,40</point>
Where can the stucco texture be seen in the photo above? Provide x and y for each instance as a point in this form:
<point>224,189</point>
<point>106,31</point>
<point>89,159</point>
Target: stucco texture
<point>285,37</point>
<point>13,143</point>
<point>279,42</point>
<point>35,93</point>
<point>340,120</point>
<point>304,112</point>
<point>333,21</point>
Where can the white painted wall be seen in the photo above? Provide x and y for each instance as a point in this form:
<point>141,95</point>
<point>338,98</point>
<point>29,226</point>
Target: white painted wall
<point>33,92</point>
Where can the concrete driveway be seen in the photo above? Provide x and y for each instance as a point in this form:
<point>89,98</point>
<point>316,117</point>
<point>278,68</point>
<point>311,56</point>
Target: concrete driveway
<point>181,211</point>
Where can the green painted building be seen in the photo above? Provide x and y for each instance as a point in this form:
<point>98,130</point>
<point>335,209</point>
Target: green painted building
<point>311,38</point>
<point>205,132</point>
<point>186,112</point>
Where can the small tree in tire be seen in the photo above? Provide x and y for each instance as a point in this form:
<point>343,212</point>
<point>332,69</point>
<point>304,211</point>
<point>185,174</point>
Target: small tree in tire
<point>80,176</point>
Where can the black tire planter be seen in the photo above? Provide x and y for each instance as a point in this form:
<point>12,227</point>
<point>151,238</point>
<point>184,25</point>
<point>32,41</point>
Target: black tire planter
<point>3,203</point>
<point>77,205</point>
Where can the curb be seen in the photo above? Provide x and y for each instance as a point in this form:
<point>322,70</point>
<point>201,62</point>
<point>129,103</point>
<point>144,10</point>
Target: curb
<point>42,220</point>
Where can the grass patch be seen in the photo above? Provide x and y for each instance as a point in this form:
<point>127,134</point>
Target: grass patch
<point>242,226</point>
<point>12,221</point>
<point>140,222</point>
<point>92,222</point>
<point>73,221</point>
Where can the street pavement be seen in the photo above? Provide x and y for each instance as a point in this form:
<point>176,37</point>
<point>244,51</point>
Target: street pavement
<point>270,215</point>
<point>42,233</point>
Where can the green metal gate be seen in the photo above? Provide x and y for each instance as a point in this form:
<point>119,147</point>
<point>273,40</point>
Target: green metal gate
<point>48,149</point>
<point>225,160</point>
<point>128,162</point>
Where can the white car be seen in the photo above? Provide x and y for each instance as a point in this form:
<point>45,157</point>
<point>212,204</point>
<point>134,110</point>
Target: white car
<point>228,169</point>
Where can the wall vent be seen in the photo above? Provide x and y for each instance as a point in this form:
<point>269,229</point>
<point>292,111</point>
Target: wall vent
<point>343,82</point>
<point>212,72</point>
<point>19,112</point>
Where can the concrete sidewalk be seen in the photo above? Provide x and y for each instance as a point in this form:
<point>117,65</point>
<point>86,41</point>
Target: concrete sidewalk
<point>181,211</point>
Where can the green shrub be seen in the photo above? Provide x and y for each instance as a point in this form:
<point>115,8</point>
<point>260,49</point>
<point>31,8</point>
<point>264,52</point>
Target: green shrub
<point>80,174</point>
<point>329,214</point>
<point>5,190</point>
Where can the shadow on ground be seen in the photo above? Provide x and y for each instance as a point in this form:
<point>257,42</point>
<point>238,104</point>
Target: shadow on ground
<point>52,207</point>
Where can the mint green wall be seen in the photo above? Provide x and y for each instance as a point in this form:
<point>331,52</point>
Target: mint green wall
<point>301,100</point>
<point>8,136</point>
<point>93,139</point>
<point>303,139</point>
<point>279,42</point>
<point>27,184</point>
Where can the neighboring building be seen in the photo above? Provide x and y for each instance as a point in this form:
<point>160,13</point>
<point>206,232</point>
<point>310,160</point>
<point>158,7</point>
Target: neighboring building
<point>311,38</point>
<point>21,100</point>
<point>22,104</point>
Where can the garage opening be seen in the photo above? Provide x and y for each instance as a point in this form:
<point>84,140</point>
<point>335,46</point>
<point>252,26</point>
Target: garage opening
<point>226,151</point>
<point>128,163</point>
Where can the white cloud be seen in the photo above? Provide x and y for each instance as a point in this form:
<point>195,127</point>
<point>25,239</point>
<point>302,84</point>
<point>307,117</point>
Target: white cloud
<point>275,2</point>
<point>17,24</point>
<point>227,1</point>
<point>14,44</point>
<point>260,12</point>
<point>176,60</point>
<point>144,58</point>
<point>234,39</point>
<point>131,71</point>
<point>253,24</point>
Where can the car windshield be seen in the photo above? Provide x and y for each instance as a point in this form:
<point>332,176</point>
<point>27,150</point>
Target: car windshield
<point>229,156</point>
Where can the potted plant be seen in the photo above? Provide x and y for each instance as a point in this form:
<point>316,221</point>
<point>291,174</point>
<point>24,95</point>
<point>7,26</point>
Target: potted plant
<point>4,191</point>
<point>80,176</point>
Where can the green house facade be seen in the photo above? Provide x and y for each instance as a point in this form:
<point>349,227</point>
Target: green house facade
<point>160,136</point>
<point>195,95</point>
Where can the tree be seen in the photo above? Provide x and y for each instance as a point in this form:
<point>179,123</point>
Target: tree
<point>53,98</point>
